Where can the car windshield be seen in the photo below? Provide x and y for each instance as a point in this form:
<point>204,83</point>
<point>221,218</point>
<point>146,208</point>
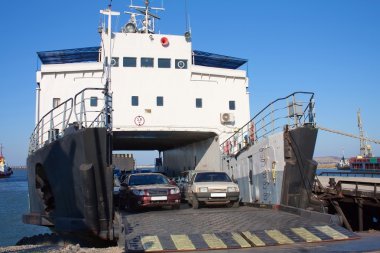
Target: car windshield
<point>212,177</point>
<point>145,179</point>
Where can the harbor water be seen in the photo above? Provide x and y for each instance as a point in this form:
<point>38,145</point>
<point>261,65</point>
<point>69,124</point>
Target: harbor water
<point>14,203</point>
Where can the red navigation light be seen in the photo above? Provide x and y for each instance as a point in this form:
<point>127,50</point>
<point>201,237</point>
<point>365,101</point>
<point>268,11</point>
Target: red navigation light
<point>164,41</point>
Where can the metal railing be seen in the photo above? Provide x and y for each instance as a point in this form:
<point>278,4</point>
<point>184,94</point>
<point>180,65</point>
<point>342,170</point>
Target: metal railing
<point>294,110</point>
<point>88,109</point>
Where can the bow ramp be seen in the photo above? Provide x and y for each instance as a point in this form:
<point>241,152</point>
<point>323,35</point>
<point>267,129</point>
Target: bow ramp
<point>224,228</point>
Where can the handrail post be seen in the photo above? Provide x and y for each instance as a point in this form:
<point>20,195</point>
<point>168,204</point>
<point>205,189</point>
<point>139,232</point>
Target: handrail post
<point>81,111</point>
<point>64,117</point>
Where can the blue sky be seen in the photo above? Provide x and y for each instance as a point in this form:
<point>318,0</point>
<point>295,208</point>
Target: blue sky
<point>329,47</point>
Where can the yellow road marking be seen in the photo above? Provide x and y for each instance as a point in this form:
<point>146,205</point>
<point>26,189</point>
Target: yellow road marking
<point>331,232</point>
<point>306,235</point>
<point>254,239</point>
<point>151,243</point>
<point>279,237</point>
<point>213,241</point>
<point>182,242</point>
<point>240,240</point>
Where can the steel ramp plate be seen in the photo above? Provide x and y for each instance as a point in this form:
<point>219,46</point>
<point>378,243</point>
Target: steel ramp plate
<point>237,240</point>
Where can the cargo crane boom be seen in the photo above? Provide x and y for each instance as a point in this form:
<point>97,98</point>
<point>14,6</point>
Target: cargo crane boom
<point>349,135</point>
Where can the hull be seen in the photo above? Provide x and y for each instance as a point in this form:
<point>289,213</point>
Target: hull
<point>70,184</point>
<point>277,170</point>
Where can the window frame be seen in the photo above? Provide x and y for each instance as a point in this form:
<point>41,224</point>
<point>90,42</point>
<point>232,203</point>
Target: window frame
<point>143,61</point>
<point>134,100</point>
<point>164,61</point>
<point>162,101</point>
<point>125,60</point>
<point>232,105</point>
<point>198,103</point>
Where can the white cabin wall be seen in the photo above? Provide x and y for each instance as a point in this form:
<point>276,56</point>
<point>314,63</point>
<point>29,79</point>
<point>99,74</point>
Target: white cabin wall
<point>179,87</point>
<point>65,80</point>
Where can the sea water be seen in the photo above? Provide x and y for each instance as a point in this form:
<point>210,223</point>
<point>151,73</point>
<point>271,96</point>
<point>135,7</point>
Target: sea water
<point>13,204</point>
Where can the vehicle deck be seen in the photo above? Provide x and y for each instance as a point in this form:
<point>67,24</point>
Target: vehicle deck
<point>223,228</point>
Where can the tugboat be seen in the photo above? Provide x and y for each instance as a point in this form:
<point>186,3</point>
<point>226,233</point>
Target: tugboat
<point>5,170</point>
<point>189,105</point>
<point>343,164</point>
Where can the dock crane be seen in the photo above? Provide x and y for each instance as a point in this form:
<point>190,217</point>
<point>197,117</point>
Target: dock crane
<point>365,149</point>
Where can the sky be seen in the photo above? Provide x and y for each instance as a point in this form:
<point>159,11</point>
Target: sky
<point>331,48</point>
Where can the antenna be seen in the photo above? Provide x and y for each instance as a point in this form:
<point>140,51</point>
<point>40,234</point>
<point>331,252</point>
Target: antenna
<point>148,17</point>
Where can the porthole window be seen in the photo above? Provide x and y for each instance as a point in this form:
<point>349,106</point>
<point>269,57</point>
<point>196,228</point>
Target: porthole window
<point>180,64</point>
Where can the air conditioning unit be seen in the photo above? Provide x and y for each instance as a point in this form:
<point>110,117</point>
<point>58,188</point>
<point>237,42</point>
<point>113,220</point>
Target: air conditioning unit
<point>227,118</point>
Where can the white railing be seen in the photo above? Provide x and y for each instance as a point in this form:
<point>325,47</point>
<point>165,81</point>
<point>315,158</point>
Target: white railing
<point>294,110</point>
<point>89,111</point>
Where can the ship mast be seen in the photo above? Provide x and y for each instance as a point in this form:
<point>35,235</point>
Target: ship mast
<point>107,86</point>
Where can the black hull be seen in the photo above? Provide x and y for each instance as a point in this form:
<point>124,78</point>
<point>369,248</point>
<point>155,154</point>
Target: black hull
<point>300,167</point>
<point>71,184</point>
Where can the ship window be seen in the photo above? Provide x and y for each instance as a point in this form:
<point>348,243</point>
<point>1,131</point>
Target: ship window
<point>147,62</point>
<point>56,102</point>
<point>231,105</point>
<point>163,63</point>
<point>198,103</point>
<point>135,100</point>
<point>114,61</point>
<point>160,101</point>
<point>94,101</point>
<point>180,64</point>
<point>129,62</point>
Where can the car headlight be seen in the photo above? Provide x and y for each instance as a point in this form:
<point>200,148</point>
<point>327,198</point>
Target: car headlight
<point>138,192</point>
<point>174,191</point>
<point>232,189</point>
<point>203,189</point>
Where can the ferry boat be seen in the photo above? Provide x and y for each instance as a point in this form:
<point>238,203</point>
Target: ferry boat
<point>5,170</point>
<point>142,90</point>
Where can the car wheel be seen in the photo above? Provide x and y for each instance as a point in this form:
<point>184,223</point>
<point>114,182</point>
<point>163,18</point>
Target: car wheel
<point>234,204</point>
<point>195,203</point>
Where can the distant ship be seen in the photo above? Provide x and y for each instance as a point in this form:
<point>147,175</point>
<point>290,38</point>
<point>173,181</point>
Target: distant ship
<point>5,170</point>
<point>365,161</point>
<point>343,164</point>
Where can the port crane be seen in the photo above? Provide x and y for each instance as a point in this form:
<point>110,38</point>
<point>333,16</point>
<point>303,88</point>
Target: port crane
<point>365,149</point>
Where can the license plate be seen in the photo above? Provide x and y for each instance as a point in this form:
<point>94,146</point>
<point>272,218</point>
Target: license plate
<point>218,194</point>
<point>159,198</point>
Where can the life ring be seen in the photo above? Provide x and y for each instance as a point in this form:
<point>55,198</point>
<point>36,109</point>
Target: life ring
<point>252,132</point>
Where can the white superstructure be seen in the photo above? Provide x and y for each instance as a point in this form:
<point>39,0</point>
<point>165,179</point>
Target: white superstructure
<point>161,89</point>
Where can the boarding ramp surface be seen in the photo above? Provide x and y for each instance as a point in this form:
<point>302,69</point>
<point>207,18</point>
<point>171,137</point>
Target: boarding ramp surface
<point>222,228</point>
